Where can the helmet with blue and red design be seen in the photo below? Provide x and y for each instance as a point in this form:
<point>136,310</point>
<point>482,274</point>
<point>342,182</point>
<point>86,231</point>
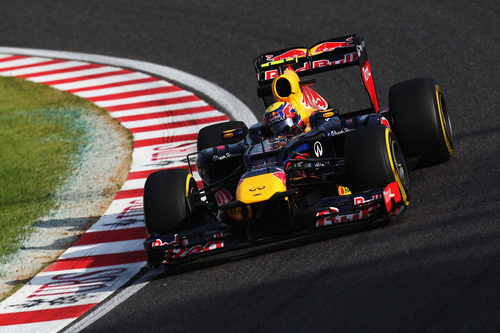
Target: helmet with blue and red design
<point>282,119</point>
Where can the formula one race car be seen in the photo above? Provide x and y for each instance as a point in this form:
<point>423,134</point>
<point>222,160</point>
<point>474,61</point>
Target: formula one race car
<point>306,168</point>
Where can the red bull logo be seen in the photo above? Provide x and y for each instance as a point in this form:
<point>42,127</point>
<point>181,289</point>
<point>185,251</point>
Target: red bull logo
<point>312,99</point>
<point>330,46</point>
<point>294,53</point>
<point>176,241</point>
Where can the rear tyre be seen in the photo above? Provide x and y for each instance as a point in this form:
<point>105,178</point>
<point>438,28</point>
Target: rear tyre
<point>374,159</point>
<point>166,200</point>
<point>421,120</point>
<point>210,136</point>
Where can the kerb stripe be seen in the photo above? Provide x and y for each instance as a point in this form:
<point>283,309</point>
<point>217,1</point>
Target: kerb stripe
<point>100,260</point>
<point>167,101</point>
<point>162,140</point>
<point>109,236</point>
<point>87,77</point>
<point>16,57</point>
<point>36,64</point>
<point>25,317</point>
<point>113,85</point>
<point>144,92</point>
<point>59,71</point>
<point>178,124</point>
<point>171,113</point>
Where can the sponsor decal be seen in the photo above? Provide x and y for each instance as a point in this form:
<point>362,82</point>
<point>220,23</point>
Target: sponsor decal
<point>222,157</point>
<point>391,192</point>
<point>312,99</point>
<point>342,131</point>
<point>368,80</point>
<point>366,72</point>
<point>72,283</point>
<point>343,190</point>
<point>385,122</point>
<point>197,249</point>
<point>58,301</point>
<point>132,211</point>
<point>330,46</point>
<point>163,153</point>
<point>281,176</point>
<point>290,54</point>
<point>269,75</point>
<point>330,216</point>
<point>362,201</point>
<point>174,242</point>
<point>258,188</point>
<point>360,48</point>
<point>318,149</point>
<point>349,57</point>
<point>305,67</point>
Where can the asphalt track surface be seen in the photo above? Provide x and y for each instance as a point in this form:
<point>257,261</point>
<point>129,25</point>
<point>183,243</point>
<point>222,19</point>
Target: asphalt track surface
<point>437,268</point>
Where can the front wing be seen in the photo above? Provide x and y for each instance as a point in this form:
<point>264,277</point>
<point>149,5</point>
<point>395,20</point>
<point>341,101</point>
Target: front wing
<point>343,211</point>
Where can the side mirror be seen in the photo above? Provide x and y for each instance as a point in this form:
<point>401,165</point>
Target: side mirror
<point>234,134</point>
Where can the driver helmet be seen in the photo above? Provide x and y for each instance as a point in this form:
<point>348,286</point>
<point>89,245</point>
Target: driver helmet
<point>283,119</point>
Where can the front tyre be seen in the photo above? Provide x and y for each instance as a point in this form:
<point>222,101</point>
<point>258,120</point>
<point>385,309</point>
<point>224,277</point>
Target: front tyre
<point>421,120</point>
<point>374,159</point>
<point>167,196</point>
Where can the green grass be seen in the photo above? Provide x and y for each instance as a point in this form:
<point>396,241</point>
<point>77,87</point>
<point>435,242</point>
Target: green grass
<point>40,139</point>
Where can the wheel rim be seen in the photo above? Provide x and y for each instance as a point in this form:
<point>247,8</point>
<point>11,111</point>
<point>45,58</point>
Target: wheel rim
<point>400,165</point>
<point>445,121</point>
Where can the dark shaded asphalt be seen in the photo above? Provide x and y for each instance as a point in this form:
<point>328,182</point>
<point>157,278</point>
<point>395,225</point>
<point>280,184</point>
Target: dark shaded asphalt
<point>435,269</point>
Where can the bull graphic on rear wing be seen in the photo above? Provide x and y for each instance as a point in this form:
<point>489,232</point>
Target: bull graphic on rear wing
<point>323,56</point>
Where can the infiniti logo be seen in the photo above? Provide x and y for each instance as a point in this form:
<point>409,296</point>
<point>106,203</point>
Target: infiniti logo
<point>258,188</point>
<point>318,149</point>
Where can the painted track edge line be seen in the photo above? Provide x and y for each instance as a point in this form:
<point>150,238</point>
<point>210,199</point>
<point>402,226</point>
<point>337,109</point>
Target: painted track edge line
<point>129,289</point>
<point>227,101</point>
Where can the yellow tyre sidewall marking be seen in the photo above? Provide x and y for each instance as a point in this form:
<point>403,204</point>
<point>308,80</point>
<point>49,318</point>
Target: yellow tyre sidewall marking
<point>188,180</point>
<point>443,129</point>
<point>393,168</point>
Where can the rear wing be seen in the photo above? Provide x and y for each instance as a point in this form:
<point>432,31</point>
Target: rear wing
<point>324,56</point>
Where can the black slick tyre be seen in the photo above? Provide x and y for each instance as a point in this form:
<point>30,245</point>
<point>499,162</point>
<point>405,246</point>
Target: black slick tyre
<point>166,200</point>
<point>421,120</point>
<point>374,159</point>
